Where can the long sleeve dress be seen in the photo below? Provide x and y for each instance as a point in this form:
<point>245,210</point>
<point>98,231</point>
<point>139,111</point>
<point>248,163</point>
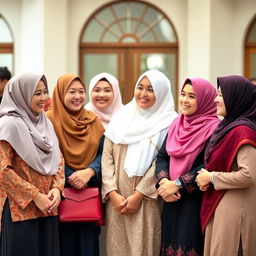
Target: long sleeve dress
<point>137,234</point>
<point>82,238</point>
<point>24,226</point>
<point>181,228</point>
<point>234,220</point>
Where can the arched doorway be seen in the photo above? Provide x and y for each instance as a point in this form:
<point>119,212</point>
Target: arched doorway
<point>250,51</point>
<point>126,38</point>
<point>6,45</point>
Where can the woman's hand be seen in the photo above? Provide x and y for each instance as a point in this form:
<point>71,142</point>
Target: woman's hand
<point>203,179</point>
<point>42,202</point>
<point>54,196</point>
<point>116,200</point>
<point>80,178</point>
<point>132,203</point>
<point>168,190</point>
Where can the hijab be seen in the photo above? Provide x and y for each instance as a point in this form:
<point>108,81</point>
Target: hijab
<point>31,136</point>
<point>239,95</point>
<point>106,114</point>
<point>188,133</point>
<point>79,133</point>
<point>143,130</point>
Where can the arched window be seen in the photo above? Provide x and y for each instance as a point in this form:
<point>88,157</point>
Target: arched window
<point>126,38</point>
<point>250,51</point>
<point>6,45</point>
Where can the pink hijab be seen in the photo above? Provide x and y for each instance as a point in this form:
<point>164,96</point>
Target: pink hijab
<point>187,134</point>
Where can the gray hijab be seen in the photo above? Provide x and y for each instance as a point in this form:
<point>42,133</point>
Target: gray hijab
<point>31,136</point>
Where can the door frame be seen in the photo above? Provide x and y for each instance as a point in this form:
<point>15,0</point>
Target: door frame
<point>127,77</point>
<point>249,50</point>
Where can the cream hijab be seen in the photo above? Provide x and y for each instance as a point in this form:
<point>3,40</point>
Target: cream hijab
<point>31,136</point>
<point>144,130</point>
<point>107,113</point>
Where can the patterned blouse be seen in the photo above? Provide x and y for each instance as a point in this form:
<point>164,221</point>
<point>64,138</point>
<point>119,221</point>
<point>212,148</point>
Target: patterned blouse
<point>20,183</point>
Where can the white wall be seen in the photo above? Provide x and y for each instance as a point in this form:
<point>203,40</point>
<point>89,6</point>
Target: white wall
<point>198,42</point>
<point>210,34</point>
<point>222,42</point>
<point>55,32</point>
<point>230,19</point>
<point>245,11</point>
<point>11,12</point>
<point>31,37</point>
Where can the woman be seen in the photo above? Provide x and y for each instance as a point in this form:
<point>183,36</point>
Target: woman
<point>105,97</point>
<point>31,170</point>
<point>228,208</point>
<point>105,101</point>
<point>79,132</point>
<point>132,141</point>
<point>178,161</point>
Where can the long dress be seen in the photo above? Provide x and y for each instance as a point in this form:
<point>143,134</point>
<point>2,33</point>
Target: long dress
<point>82,238</point>
<point>136,234</point>
<point>181,228</point>
<point>234,221</point>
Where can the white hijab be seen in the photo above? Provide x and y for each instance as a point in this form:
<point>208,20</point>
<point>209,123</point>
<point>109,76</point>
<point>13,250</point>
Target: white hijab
<point>106,114</point>
<point>144,130</point>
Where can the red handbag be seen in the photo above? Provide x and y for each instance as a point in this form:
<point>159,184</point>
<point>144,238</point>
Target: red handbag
<point>81,205</point>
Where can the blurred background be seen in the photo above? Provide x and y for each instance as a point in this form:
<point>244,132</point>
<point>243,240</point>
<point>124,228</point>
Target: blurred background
<point>182,38</point>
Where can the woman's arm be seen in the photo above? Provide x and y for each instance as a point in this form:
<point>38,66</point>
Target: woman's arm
<point>20,190</point>
<point>108,169</point>
<point>58,185</point>
<point>162,164</point>
<point>59,178</point>
<point>96,163</point>
<point>89,176</point>
<point>244,177</point>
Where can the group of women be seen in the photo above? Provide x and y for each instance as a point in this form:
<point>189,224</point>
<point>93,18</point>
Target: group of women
<point>172,184</point>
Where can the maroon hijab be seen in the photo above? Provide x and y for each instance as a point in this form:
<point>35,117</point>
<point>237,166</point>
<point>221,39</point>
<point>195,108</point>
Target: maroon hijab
<point>239,96</point>
<point>236,129</point>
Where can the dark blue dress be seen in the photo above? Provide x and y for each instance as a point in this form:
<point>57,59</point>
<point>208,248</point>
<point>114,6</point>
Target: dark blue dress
<point>82,238</point>
<point>181,227</point>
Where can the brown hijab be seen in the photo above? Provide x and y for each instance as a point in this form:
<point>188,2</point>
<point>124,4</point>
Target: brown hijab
<point>79,133</point>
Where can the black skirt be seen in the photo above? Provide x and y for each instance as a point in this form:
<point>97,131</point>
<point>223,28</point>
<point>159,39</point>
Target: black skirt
<point>36,237</point>
<point>79,239</point>
<point>181,228</point>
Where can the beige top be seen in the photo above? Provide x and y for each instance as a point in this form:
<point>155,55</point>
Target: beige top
<point>137,234</point>
<point>115,178</point>
<point>235,216</point>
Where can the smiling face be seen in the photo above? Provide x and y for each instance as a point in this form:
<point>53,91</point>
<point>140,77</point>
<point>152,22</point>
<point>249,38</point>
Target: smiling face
<point>221,108</point>
<point>102,95</point>
<point>75,96</point>
<point>144,94</point>
<point>188,102</point>
<point>39,98</point>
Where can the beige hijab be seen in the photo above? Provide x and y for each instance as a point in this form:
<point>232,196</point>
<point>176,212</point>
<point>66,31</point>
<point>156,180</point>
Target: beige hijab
<point>79,134</point>
<point>31,136</point>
